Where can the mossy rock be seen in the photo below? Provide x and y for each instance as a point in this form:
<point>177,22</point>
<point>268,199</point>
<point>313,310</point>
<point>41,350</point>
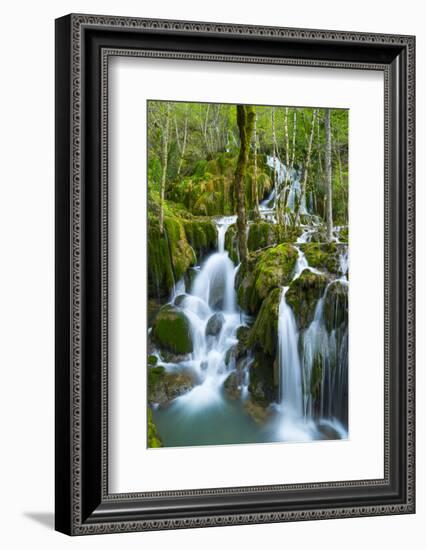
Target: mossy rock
<point>264,333</point>
<point>231,242</point>
<point>164,386</point>
<point>160,269</point>
<point>169,255</point>
<point>261,234</point>
<point>152,360</point>
<point>336,305</point>
<point>303,296</point>
<point>153,308</point>
<point>154,440</point>
<point>171,331</point>
<point>323,255</point>
<point>201,235</point>
<point>181,252</point>
<point>272,268</point>
<point>262,388</point>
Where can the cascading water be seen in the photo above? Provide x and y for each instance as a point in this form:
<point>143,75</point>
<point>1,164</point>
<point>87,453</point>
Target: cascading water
<point>290,373</point>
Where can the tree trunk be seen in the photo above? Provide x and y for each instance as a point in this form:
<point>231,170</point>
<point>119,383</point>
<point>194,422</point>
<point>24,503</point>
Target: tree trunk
<point>291,166</point>
<point>274,141</point>
<point>245,120</point>
<point>164,174</point>
<point>307,165</point>
<point>182,148</point>
<point>255,189</point>
<point>328,176</point>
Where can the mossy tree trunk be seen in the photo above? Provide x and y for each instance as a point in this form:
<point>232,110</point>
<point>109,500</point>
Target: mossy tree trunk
<point>255,189</point>
<point>328,180</point>
<point>245,119</point>
<point>164,172</point>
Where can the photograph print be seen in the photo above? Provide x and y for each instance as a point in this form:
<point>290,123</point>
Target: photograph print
<point>248,277</point>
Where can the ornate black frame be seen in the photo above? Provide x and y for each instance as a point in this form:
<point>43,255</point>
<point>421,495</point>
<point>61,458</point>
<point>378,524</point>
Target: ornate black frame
<point>83,46</point>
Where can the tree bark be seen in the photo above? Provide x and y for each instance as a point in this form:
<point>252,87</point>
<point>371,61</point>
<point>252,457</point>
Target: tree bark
<point>245,120</point>
<point>328,179</point>
<point>164,174</point>
<point>307,165</point>
<point>182,148</point>
<point>255,189</point>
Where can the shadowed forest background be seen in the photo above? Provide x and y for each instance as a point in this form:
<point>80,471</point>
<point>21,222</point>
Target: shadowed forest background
<point>247,273</point>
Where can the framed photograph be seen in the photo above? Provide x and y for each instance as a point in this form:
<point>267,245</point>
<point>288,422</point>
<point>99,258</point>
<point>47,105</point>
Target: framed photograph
<point>234,274</point>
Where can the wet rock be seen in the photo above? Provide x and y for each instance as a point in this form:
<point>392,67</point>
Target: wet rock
<point>256,411</point>
<point>230,356</point>
<point>179,300</point>
<point>232,385</point>
<point>261,386</point>
<point>215,324</point>
<point>164,386</point>
<point>336,305</point>
<point>243,333</point>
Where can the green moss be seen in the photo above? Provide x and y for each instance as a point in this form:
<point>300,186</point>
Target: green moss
<point>264,333</point>
<point>231,242</point>
<point>152,360</point>
<point>181,252</point>
<point>303,296</point>
<point>201,235</point>
<point>272,268</point>
<point>171,331</point>
<point>160,269</point>
<point>322,255</point>
<point>154,440</point>
<point>261,235</point>
<point>169,255</point>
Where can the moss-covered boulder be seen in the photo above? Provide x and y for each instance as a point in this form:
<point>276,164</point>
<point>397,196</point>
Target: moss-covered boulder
<point>231,242</point>
<point>201,235</point>
<point>164,386</point>
<point>181,252</point>
<point>171,331</point>
<point>154,439</point>
<point>264,333</point>
<point>169,255</point>
<point>272,268</point>
<point>323,255</point>
<point>260,235</point>
<point>303,296</point>
<point>336,305</point>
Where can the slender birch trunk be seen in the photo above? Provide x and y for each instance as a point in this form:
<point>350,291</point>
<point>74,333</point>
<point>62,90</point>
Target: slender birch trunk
<point>328,180</point>
<point>164,174</point>
<point>182,148</point>
<point>245,120</point>
<point>307,165</point>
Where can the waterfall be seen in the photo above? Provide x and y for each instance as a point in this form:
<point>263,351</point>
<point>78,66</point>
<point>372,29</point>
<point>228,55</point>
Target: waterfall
<point>290,372</point>
<point>213,316</point>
